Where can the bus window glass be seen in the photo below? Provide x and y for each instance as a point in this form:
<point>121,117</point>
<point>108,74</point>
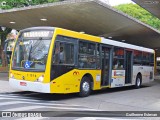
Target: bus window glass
<point>151,59</point>
<point>118,58</point>
<point>55,53</point>
<point>145,58</point>
<point>91,49</point>
<point>66,53</point>
<point>98,57</point>
<point>83,47</point>
<point>63,52</point>
<point>137,57</point>
<point>87,55</point>
<point>31,54</point>
<point>87,48</point>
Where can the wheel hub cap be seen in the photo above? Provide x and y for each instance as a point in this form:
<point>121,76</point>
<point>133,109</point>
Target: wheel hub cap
<point>85,86</point>
<point>138,82</point>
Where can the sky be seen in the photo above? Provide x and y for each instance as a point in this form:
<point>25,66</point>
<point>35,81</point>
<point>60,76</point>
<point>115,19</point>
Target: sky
<point>117,2</point>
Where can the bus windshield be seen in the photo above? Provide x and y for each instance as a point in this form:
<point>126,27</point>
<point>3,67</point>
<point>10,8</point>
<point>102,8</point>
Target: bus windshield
<point>31,53</point>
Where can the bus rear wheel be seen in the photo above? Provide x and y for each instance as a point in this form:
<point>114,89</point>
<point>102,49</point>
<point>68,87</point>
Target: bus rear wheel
<point>138,82</point>
<point>85,87</point>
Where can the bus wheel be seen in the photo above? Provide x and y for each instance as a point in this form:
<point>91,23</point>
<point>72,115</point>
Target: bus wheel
<point>138,82</point>
<point>85,87</point>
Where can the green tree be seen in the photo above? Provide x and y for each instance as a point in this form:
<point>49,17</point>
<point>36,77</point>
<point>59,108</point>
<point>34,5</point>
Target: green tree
<point>3,36</point>
<point>139,13</point>
<point>8,4</point>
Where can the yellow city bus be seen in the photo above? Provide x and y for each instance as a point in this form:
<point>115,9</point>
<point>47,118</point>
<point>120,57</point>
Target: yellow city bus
<point>56,60</point>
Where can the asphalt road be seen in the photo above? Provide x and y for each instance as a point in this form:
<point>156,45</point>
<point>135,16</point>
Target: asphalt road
<point>125,99</point>
<point>4,76</point>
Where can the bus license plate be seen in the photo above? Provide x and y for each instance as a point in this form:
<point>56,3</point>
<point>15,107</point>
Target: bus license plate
<point>23,83</point>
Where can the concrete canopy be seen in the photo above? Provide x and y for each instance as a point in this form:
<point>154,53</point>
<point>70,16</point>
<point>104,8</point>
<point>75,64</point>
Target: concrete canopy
<point>152,6</point>
<point>91,16</point>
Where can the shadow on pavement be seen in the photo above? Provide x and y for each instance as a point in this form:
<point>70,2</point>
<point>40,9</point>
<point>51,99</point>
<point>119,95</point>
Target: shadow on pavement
<point>59,97</point>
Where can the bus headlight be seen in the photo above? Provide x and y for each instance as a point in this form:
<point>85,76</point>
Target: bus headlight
<point>11,75</point>
<point>40,79</point>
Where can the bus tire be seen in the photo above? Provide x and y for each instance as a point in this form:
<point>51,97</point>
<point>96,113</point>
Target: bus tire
<point>85,87</point>
<point>138,82</point>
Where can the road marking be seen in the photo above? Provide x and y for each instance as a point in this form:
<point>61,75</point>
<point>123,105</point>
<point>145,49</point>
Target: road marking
<point>10,103</point>
<point>41,105</point>
<point>37,107</point>
<point>19,99</point>
<point>41,102</point>
<point>28,99</point>
<point>44,104</point>
<point>48,105</point>
<point>24,108</point>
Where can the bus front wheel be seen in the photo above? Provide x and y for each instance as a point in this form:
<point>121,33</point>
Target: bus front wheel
<point>138,82</point>
<point>85,87</point>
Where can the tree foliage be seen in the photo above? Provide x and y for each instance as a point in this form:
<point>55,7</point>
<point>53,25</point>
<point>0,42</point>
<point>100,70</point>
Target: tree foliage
<point>3,36</point>
<point>139,13</point>
<point>8,4</point>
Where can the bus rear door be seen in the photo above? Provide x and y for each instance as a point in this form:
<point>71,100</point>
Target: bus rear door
<point>106,65</point>
<point>128,66</point>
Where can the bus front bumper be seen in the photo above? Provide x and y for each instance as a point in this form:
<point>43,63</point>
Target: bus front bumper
<point>30,86</point>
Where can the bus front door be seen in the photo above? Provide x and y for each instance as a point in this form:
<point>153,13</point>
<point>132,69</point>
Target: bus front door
<point>128,66</point>
<point>105,65</point>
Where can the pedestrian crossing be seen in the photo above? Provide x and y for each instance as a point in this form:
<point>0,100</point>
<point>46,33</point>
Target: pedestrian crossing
<point>16,102</point>
<point>24,103</point>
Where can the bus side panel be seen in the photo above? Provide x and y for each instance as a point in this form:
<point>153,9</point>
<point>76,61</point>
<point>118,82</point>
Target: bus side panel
<point>147,73</point>
<point>118,80</point>
<point>70,82</point>
<point>137,69</point>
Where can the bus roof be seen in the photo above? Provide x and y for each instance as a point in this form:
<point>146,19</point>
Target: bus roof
<point>126,45</point>
<point>38,28</point>
<point>78,35</point>
<point>90,37</point>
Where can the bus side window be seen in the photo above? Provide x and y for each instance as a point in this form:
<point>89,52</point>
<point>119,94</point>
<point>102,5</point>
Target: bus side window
<point>87,55</point>
<point>137,57</point>
<point>63,53</point>
<point>98,56</point>
<point>145,58</point>
<point>55,54</point>
<point>151,60</point>
<point>68,53</point>
<point>118,58</point>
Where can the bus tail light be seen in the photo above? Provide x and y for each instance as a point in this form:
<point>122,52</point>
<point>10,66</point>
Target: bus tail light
<point>115,73</point>
<point>40,79</point>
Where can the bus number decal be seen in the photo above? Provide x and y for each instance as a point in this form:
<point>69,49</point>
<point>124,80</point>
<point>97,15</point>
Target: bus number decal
<point>75,73</point>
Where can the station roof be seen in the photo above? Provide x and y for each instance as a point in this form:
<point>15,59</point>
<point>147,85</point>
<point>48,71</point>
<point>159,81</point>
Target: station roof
<point>152,6</point>
<point>90,16</point>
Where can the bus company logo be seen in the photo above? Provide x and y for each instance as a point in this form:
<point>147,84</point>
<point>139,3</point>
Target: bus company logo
<point>23,77</point>
<point>75,73</point>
